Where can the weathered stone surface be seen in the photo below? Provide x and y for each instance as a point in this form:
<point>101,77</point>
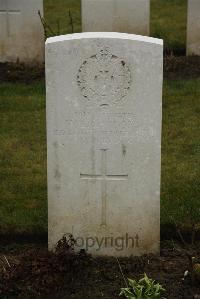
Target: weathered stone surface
<point>129,16</point>
<point>21,31</point>
<point>193,28</point>
<point>104,100</point>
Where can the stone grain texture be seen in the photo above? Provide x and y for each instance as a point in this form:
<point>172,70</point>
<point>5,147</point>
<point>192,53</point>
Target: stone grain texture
<point>129,16</point>
<point>104,100</point>
<point>193,28</point>
<point>21,31</point>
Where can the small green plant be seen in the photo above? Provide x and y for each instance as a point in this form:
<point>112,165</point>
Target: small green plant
<point>145,288</point>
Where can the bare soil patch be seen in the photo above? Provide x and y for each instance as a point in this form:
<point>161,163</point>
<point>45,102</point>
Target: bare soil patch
<point>182,67</point>
<point>174,67</point>
<point>33,272</point>
<point>16,72</point>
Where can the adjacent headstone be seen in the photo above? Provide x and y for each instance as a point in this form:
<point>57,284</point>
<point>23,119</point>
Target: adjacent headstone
<point>129,16</point>
<point>193,28</point>
<point>104,101</point>
<point>21,31</point>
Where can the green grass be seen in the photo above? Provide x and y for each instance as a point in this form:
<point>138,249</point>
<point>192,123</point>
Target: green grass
<point>168,20</point>
<point>56,14</point>
<point>23,200</point>
<point>23,205</point>
<point>23,196</point>
<point>181,153</point>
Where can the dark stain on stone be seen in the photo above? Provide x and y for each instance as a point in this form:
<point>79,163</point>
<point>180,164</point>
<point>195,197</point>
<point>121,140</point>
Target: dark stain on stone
<point>123,149</point>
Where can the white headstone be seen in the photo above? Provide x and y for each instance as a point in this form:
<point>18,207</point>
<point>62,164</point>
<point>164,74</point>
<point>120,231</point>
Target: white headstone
<point>193,28</point>
<point>21,31</point>
<point>129,16</point>
<point>104,101</point>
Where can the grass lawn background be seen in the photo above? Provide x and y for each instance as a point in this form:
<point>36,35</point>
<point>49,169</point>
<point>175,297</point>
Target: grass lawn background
<point>23,194</point>
<point>168,20</point>
<point>23,201</point>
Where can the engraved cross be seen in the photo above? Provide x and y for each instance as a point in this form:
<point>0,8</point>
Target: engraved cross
<point>8,13</point>
<point>104,178</point>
